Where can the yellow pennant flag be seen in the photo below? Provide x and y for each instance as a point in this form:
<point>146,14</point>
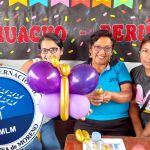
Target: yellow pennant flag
<point>12,2</point>
<point>104,2</point>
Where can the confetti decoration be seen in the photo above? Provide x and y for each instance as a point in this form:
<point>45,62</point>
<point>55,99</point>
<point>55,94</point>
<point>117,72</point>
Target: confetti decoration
<point>93,19</point>
<point>27,19</point>
<point>56,16</point>
<point>2,2</point>
<point>83,23</point>
<point>112,16</point>
<point>129,54</point>
<point>123,42</point>
<point>66,18</point>
<point>105,14</point>
<point>28,50</point>
<point>11,52</point>
<point>78,20</point>
<point>132,17</point>
<point>140,6</point>
<point>45,19</point>
<point>70,51</point>
<point>6,19</point>
<point>74,29</point>
<point>73,40</point>
<point>81,43</point>
<point>115,52</point>
<point>17,8</point>
<point>15,16</point>
<point>121,59</point>
<point>134,45</point>
<point>33,17</point>
<point>87,13</point>
<point>123,11</point>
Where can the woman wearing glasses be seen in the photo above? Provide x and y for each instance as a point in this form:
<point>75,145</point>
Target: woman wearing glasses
<point>140,105</point>
<point>111,104</point>
<point>50,46</point>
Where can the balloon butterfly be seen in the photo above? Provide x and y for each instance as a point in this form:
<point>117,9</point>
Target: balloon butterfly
<point>63,90</point>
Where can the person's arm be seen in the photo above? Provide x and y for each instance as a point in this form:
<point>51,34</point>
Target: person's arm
<point>120,97</point>
<point>135,115</point>
<point>123,96</point>
<point>26,66</point>
<point>146,131</point>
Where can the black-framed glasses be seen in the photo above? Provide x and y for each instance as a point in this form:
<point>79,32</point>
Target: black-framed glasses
<point>98,48</point>
<point>52,50</point>
<point>145,52</point>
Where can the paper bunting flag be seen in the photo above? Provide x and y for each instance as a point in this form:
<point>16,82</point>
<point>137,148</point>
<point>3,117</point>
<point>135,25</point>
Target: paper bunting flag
<point>65,2</point>
<point>12,2</point>
<point>128,3</point>
<point>43,2</point>
<point>104,2</point>
<point>84,2</point>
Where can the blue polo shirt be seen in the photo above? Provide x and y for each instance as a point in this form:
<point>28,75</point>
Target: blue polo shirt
<point>110,80</point>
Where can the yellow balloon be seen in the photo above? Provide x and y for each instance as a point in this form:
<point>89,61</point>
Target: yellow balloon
<point>64,98</point>
<point>79,135</point>
<point>64,92</point>
<point>55,62</point>
<point>65,69</point>
<point>86,135</point>
<point>82,136</point>
<point>99,91</point>
<point>38,136</point>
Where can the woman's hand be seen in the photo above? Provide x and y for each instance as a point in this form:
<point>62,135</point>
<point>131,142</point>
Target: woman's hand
<point>84,118</point>
<point>96,99</point>
<point>106,96</point>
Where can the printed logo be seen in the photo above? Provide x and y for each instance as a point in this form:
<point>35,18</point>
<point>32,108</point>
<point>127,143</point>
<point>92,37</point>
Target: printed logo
<point>20,118</point>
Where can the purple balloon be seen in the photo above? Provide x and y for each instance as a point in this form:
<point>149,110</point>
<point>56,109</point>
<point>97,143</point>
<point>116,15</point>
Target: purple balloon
<point>49,105</point>
<point>83,79</point>
<point>42,77</point>
<point>79,106</point>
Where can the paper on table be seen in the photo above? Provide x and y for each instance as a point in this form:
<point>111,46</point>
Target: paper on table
<point>113,143</point>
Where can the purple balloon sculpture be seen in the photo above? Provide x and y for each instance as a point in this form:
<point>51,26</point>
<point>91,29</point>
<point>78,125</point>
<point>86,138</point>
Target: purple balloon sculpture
<point>49,105</point>
<point>83,79</point>
<point>42,77</point>
<point>79,106</point>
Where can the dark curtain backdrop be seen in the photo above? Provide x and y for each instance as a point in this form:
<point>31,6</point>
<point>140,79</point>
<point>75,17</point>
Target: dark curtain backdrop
<point>76,24</point>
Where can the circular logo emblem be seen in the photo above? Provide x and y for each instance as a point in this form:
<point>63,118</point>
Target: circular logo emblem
<point>20,118</point>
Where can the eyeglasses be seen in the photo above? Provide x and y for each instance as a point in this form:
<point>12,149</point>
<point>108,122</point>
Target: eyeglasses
<point>52,50</point>
<point>98,48</point>
<point>145,52</point>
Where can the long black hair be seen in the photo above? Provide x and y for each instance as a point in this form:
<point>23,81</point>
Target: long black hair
<point>53,37</point>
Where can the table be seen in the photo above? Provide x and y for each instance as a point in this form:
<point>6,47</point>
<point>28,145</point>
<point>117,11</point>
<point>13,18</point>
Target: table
<point>72,144</point>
